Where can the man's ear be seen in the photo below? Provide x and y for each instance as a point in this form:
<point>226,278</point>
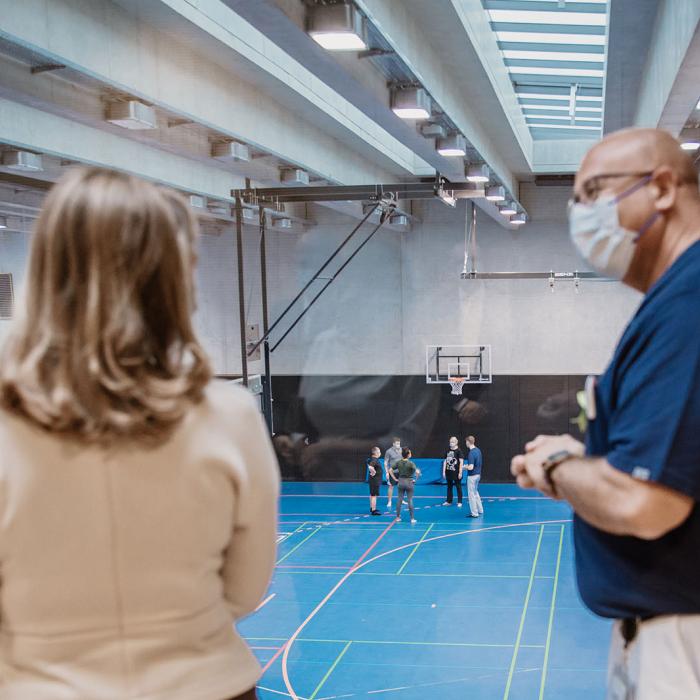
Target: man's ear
<point>664,187</point>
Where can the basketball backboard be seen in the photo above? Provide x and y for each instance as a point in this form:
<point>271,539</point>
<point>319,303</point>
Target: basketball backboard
<point>470,362</point>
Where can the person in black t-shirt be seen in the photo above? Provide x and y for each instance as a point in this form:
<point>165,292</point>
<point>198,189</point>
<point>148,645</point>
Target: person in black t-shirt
<point>374,478</point>
<point>452,471</point>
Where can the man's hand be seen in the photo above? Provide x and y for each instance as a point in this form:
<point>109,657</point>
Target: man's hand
<point>527,468</point>
<point>372,471</point>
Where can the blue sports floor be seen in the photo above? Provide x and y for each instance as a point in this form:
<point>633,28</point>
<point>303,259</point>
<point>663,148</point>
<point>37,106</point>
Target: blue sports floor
<point>450,608</point>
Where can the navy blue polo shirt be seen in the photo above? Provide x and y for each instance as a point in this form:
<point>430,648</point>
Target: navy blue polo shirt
<point>475,457</point>
<point>648,425</point>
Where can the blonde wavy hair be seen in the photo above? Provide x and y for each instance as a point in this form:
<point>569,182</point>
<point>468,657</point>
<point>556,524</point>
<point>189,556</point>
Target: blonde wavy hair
<point>104,349</point>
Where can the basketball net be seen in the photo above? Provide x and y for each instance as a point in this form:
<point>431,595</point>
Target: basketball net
<point>457,384</point>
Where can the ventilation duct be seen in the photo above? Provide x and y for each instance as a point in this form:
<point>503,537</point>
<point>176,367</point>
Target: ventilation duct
<point>132,115</point>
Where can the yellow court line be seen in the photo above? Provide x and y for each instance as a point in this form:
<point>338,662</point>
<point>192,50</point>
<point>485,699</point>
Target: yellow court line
<point>329,671</point>
<point>415,549</point>
<point>294,549</point>
<point>551,614</point>
<point>523,615</point>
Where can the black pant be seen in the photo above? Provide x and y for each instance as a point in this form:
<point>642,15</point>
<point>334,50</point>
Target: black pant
<point>452,481</point>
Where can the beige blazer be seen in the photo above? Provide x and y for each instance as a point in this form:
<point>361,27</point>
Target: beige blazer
<point>121,573</point>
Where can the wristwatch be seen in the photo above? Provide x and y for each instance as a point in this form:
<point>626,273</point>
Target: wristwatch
<point>551,463</point>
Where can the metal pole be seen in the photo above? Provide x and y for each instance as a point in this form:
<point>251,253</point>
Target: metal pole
<point>241,289</point>
<point>267,379</point>
<point>313,279</point>
<point>384,217</point>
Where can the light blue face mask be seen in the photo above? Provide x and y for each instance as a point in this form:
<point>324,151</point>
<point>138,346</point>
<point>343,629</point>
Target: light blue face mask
<point>600,239</point>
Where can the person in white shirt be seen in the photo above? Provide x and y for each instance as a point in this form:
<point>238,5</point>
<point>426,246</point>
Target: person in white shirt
<point>137,497</point>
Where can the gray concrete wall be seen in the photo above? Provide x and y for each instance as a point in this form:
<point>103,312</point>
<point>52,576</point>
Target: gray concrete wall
<point>403,292</point>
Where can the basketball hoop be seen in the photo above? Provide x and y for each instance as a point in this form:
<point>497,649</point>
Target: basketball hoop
<point>457,384</point>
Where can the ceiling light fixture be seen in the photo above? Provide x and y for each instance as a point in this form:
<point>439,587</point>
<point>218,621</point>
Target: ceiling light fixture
<point>452,146</point>
<point>337,27</point>
<point>519,219</point>
<point>478,173</point>
<point>22,160</point>
<point>496,194</point>
<point>3,222</point>
<point>690,145</point>
<point>410,103</point>
<point>447,197</point>
<point>230,151</point>
<point>508,209</point>
<point>295,176</point>
<point>132,115</point>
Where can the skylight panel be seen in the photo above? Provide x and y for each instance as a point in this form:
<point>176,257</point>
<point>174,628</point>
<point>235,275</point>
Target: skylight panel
<point>554,56</point>
<point>588,19</point>
<point>573,72</point>
<point>552,38</point>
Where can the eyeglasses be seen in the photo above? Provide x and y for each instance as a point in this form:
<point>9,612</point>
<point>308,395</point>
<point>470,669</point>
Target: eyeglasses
<point>593,186</point>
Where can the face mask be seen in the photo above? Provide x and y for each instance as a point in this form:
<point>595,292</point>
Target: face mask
<point>597,235</point>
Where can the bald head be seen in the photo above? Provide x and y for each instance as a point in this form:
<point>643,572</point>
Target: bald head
<point>638,150</point>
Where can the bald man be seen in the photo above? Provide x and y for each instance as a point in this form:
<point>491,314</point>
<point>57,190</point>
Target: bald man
<point>634,486</point>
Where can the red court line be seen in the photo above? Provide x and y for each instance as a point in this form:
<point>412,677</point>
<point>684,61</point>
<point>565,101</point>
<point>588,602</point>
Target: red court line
<point>265,602</point>
<point>291,640</point>
<point>274,658</point>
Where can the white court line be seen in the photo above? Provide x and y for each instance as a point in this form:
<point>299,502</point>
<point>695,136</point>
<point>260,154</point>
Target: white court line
<point>505,498</point>
<point>423,685</point>
<point>277,692</point>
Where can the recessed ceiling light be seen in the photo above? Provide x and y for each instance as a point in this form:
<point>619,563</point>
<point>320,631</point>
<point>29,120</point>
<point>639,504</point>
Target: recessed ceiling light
<point>496,194</point>
<point>589,19</point>
<point>553,56</point>
<point>690,145</point>
<point>453,146</point>
<point>478,173</point>
<point>337,27</point>
<point>410,103</point>
<point>552,38</point>
<point>518,219</point>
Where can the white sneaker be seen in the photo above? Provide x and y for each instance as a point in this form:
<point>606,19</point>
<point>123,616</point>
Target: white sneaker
<point>413,521</point>
<point>459,505</point>
<point>446,504</point>
<point>388,505</point>
<point>398,520</point>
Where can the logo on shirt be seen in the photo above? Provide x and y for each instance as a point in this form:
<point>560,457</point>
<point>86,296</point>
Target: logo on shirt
<point>452,461</point>
<point>641,473</point>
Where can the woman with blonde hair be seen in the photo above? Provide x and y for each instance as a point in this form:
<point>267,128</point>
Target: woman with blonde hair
<point>137,497</point>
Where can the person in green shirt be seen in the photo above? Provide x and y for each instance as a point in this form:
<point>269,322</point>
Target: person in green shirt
<point>407,473</point>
